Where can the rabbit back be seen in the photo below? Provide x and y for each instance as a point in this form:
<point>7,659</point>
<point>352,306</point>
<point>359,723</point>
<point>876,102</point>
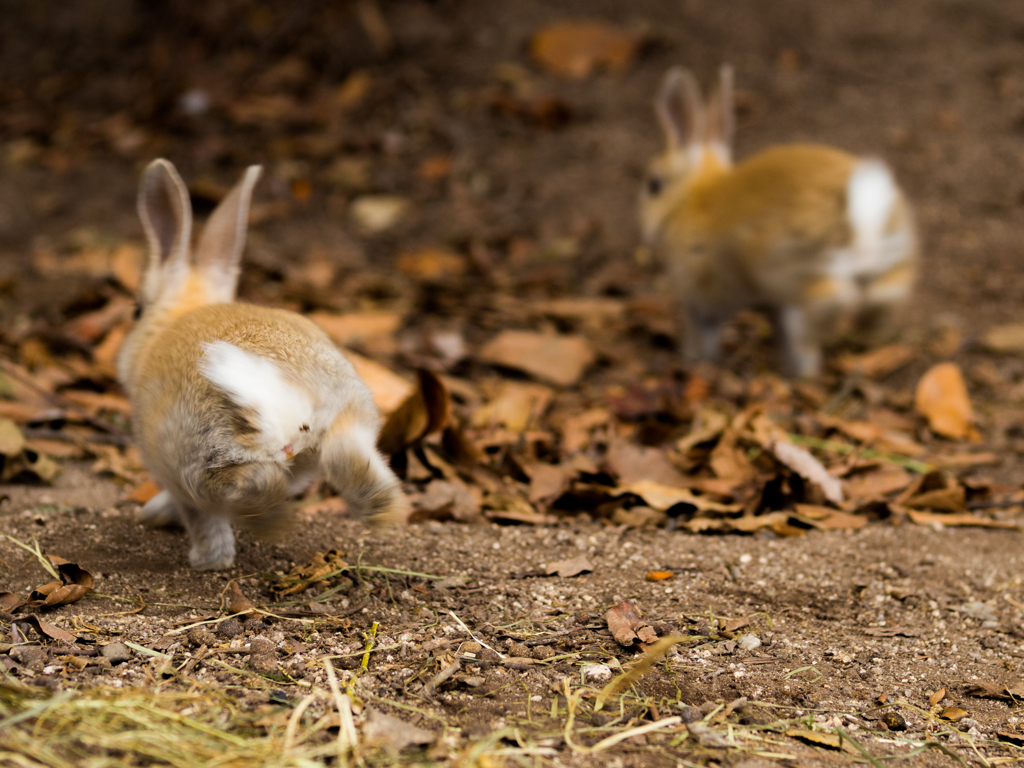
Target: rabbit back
<point>794,224</point>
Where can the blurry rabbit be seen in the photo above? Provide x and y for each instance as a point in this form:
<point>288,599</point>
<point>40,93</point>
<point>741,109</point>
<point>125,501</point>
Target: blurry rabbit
<point>236,406</point>
<point>821,238</point>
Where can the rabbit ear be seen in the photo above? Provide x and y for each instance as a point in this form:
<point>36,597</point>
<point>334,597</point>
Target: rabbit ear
<point>166,213</point>
<point>680,108</point>
<point>223,240</point>
<point>721,120</point>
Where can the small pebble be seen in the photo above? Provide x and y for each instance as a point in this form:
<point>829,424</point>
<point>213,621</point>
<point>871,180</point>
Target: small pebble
<point>199,636</point>
<point>229,628</point>
<point>473,682</point>
<point>894,721</point>
<point>116,653</point>
<point>260,646</point>
<point>542,652</point>
<point>30,657</point>
<point>518,649</point>
<point>263,663</point>
<point>597,673</point>
<point>471,646</point>
<point>748,642</point>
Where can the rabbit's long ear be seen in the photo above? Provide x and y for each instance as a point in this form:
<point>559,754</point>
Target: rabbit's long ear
<point>680,109</point>
<point>166,214</point>
<point>220,248</point>
<point>721,120</point>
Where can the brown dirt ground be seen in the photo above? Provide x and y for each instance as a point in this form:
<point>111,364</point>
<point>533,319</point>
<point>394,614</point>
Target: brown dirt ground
<point>842,618</point>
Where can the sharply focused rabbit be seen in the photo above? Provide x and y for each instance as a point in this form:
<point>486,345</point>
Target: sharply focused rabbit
<point>823,239</point>
<point>236,406</point>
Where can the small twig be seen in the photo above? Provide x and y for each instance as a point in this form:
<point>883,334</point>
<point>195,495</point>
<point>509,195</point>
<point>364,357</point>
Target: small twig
<point>35,550</point>
<point>347,737</point>
<point>370,636</point>
<point>440,677</point>
<point>470,633</point>
<point>293,721</point>
<point>810,668</point>
<point>1014,603</point>
<point>140,609</point>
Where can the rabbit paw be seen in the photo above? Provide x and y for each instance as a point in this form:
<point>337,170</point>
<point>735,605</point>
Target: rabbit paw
<point>213,543</point>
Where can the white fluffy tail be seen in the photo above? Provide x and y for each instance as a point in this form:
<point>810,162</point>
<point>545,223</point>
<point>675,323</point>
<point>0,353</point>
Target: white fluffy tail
<point>871,195</point>
<point>357,470</point>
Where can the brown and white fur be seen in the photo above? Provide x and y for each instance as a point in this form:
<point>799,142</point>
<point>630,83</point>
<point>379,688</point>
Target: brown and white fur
<point>236,407</point>
<point>823,239</point>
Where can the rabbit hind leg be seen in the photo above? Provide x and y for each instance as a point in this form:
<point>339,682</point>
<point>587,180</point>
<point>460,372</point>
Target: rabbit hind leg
<point>702,335</point>
<point>256,495</point>
<point>800,343</point>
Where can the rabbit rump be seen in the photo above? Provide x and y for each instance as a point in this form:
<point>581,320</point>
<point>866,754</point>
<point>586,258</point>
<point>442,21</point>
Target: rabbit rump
<point>822,239</point>
<point>236,406</point>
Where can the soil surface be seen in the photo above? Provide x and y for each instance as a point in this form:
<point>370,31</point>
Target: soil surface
<point>518,187</point>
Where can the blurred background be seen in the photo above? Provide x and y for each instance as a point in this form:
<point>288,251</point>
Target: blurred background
<point>436,172</point>
<point>389,127</point>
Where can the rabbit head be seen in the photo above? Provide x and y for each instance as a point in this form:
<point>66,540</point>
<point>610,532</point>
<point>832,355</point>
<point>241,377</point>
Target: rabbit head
<point>698,142</point>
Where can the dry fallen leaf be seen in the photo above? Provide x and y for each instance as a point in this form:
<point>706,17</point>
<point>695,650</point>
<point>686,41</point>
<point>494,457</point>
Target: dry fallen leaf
<point>631,463</point>
<point>942,398</point>
<point>959,520</point>
<point>9,600</point>
<point>1004,338</point>
<point>558,359</point>
<point>571,567</point>
<point>823,739</point>
<point>936,697</point>
<point>237,602</point>
<point>576,49</point>
<point>662,497</point>
<point>389,389</point>
<point>507,506</point>
<point>356,327</point>
<point>953,714</point>
<point>878,362</point>
<point>548,481</point>
<point>45,628</point>
<point>448,500</point>
<point>627,625</point>
<point>143,493</point>
<point>826,518</point>
<point>515,405</point>
<point>320,567</point>
<point>11,440</point>
<point>423,412</point>
<point>951,497</point>
<point>875,485</point>
<point>432,264</point>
